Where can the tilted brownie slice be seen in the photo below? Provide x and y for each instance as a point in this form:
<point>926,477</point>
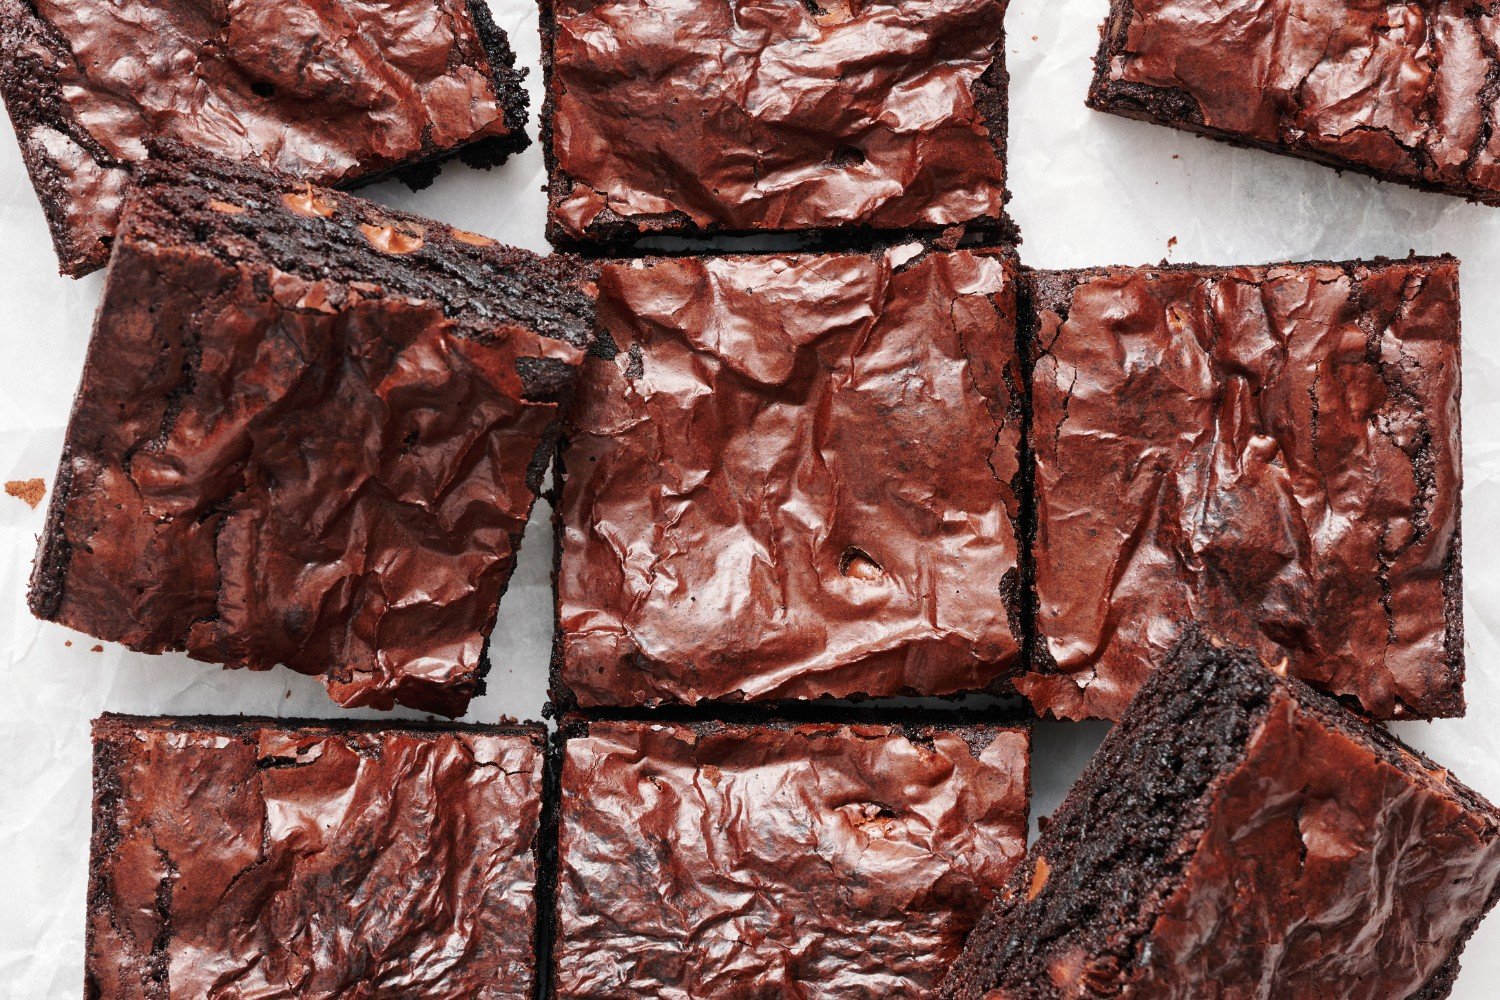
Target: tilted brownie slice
<point>267,857</point>
<point>331,91</point>
<point>818,860</point>
<point>1240,835</point>
<point>1405,92</point>
<point>723,116</point>
<point>791,477</point>
<point>309,431</point>
<point>1271,450</point>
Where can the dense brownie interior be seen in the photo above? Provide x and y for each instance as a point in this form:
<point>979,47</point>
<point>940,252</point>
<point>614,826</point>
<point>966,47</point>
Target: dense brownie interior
<point>1114,841</point>
<point>320,235</point>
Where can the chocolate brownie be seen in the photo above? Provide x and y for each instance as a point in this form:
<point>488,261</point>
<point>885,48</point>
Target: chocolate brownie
<point>1272,450</point>
<point>729,859</point>
<point>726,116</point>
<point>309,431</point>
<point>789,477</point>
<point>1240,835</point>
<point>269,858</point>
<point>331,91</point>
<point>1407,92</point>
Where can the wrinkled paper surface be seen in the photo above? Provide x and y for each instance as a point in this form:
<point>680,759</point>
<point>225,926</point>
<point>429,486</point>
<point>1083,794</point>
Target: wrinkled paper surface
<point>1089,189</point>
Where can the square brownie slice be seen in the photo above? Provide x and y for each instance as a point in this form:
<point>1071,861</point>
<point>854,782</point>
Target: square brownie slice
<point>699,117</point>
<point>1240,835</point>
<point>789,477</point>
<point>331,91</point>
<point>1272,450</point>
<point>1408,93</point>
<point>309,431</point>
<point>267,857</point>
<point>734,859</point>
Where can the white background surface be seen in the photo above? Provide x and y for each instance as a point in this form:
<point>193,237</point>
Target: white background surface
<point>1089,189</point>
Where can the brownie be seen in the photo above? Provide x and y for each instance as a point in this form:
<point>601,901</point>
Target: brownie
<point>331,91</point>
<point>789,477</point>
<point>1272,450</point>
<point>269,858</point>
<point>309,431</point>
<point>1240,835</point>
<point>1405,92</point>
<point>833,120</point>
<point>731,859</point>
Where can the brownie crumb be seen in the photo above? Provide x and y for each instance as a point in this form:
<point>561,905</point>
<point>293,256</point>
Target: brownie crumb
<point>29,490</point>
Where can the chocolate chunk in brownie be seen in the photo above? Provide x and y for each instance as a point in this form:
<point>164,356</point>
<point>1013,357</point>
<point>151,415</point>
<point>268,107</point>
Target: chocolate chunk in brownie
<point>309,432</point>
<point>721,116</point>
<point>1272,450</point>
<point>265,857</point>
<point>789,477</point>
<point>1239,834</point>
<point>331,91</point>
<point>733,859</point>
<point>1405,92</point>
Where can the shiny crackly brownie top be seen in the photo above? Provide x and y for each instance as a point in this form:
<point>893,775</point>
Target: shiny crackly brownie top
<point>775,114</point>
<point>1271,450</point>
<point>790,477</point>
<point>326,90</point>
<point>1406,91</point>
<point>815,860</point>
<point>259,858</point>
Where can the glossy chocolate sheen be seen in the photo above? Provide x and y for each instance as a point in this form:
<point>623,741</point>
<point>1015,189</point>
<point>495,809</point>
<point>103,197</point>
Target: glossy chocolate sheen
<point>328,90</point>
<point>745,115</point>
<point>265,467</point>
<point>1272,450</point>
<point>789,477</point>
<point>730,861</point>
<point>243,857</point>
<point>1406,91</point>
<point>1363,876</point>
<point>1327,862</point>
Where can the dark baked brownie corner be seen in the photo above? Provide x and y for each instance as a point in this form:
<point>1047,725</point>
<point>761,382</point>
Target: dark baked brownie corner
<point>510,90</point>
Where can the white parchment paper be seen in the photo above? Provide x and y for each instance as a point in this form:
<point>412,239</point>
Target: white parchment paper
<point>1089,189</point>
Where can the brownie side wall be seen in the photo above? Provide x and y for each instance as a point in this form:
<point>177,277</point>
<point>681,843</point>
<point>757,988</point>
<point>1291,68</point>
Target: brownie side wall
<point>49,570</point>
<point>1115,842</point>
